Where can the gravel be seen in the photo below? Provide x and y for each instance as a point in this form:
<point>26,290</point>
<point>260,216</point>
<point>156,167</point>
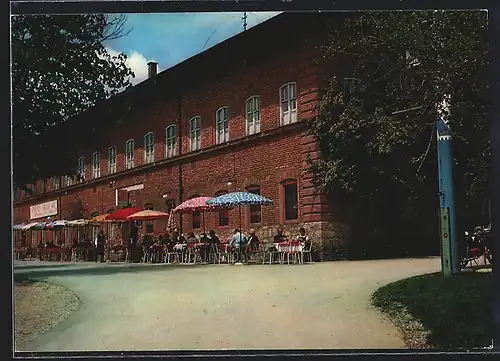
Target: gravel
<point>40,306</point>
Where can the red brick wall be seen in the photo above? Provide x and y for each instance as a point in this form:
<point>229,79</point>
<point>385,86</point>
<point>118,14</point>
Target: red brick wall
<point>275,155</point>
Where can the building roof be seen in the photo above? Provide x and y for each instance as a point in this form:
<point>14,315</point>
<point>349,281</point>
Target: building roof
<point>250,46</point>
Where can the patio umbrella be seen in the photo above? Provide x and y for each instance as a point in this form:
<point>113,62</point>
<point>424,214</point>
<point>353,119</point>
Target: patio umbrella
<point>198,204</point>
<point>77,223</point>
<point>172,224</point>
<point>18,226</point>
<point>147,215</point>
<point>238,199</point>
<point>29,226</point>
<point>99,219</point>
<point>122,214</point>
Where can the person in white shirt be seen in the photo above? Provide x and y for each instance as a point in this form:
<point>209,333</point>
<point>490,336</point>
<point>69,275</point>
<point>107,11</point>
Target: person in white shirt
<point>303,238</point>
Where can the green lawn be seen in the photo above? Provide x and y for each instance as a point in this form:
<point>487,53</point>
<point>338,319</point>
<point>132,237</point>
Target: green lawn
<point>440,312</point>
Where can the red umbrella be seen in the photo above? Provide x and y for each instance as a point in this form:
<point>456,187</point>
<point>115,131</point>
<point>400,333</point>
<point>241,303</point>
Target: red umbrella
<point>147,215</point>
<point>122,214</point>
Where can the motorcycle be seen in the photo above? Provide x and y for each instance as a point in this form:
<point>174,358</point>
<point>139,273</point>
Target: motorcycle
<point>478,244</point>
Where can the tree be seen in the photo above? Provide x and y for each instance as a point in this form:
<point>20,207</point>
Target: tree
<point>60,68</point>
<point>383,162</point>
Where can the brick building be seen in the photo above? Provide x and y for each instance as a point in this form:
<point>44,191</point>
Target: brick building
<point>232,117</point>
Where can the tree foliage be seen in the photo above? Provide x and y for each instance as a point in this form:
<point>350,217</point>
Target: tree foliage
<point>60,68</point>
<point>385,162</point>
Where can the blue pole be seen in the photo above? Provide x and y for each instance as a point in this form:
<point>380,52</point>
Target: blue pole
<point>446,199</point>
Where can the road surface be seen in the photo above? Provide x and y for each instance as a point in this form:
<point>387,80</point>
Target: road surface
<point>171,307</point>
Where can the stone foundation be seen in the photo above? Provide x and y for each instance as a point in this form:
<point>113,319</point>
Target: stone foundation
<point>328,238</point>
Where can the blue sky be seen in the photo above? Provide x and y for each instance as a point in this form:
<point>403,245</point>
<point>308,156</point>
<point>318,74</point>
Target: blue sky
<point>171,38</point>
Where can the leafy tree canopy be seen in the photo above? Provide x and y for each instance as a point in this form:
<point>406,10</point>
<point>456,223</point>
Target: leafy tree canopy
<point>403,60</point>
<point>60,68</point>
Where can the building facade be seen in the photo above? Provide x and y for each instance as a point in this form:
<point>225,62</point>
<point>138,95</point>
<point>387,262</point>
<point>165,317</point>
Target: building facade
<point>243,129</point>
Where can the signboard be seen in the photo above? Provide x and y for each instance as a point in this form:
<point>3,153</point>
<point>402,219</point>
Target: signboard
<point>444,223</point>
<point>42,210</point>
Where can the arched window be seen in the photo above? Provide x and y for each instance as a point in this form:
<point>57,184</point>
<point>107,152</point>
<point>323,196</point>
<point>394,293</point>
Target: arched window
<point>222,125</point>
<point>195,133</point>
<point>149,224</point>
<point>149,148</point>
<point>129,154</point>
<point>288,103</point>
<point>112,160</point>
<point>290,200</point>
<point>170,205</point>
<point>223,214</point>
<point>96,165</point>
<point>252,115</point>
<point>254,211</point>
<point>170,141</point>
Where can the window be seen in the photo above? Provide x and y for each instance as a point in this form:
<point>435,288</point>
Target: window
<point>221,125</point>
<point>290,197</point>
<point>223,214</point>
<point>68,181</point>
<point>194,133</point>
<point>252,115</point>
<point>170,203</point>
<point>149,148</point>
<point>350,87</point>
<point>149,224</point>
<point>81,168</point>
<point>56,183</point>
<point>170,141</point>
<point>43,186</point>
<point>255,215</point>
<point>112,160</point>
<point>96,165</point>
<point>129,154</point>
<point>288,101</point>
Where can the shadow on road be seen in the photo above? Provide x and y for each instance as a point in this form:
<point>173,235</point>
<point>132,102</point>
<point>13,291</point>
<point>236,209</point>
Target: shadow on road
<point>47,271</point>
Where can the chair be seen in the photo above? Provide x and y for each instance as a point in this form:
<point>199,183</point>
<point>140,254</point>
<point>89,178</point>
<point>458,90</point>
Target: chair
<point>306,251</point>
<point>214,254</point>
<point>270,253</point>
<point>293,253</point>
<point>168,255</point>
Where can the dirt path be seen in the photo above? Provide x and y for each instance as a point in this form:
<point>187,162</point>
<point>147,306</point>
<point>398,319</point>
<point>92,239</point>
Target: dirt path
<point>39,306</point>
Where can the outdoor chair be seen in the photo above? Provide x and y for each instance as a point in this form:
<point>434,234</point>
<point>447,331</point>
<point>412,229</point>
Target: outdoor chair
<point>214,254</point>
<point>306,251</point>
<point>294,255</point>
<point>168,256</point>
<point>227,254</point>
<point>270,254</point>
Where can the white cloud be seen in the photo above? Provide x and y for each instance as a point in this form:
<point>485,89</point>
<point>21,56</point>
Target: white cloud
<point>138,63</point>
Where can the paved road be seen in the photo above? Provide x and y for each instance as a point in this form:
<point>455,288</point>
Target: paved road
<point>322,305</point>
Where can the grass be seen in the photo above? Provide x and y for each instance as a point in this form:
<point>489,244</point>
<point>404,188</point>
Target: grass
<point>433,311</point>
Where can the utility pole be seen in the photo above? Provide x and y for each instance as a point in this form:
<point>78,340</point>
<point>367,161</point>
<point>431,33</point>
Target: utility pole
<point>244,18</point>
<point>450,261</point>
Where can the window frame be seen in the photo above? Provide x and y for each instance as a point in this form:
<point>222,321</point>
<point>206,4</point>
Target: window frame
<point>56,183</point>
<point>170,151</point>
<point>96,166</point>
<point>225,125</point>
<point>112,164</point>
<point>149,148</point>
<point>249,208</point>
<point>197,133</point>
<point>253,111</point>
<point>288,100</point>
<point>222,211</point>
<point>129,154</point>
<point>81,169</point>
<point>283,203</point>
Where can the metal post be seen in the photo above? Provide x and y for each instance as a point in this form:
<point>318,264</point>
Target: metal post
<point>446,199</point>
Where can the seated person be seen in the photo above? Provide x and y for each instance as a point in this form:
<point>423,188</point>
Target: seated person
<point>280,237</point>
<point>304,238</point>
<point>191,238</point>
<point>253,241</point>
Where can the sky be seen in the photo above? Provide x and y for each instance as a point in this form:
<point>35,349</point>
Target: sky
<point>168,39</point>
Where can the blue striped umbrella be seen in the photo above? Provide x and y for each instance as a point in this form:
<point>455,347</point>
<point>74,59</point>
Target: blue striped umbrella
<point>238,199</point>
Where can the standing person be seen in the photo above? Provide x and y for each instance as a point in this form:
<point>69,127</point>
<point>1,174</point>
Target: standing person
<point>101,241</point>
<point>239,242</point>
<point>253,241</point>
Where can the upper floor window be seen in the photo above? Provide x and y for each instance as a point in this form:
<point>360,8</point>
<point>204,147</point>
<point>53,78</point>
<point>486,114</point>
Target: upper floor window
<point>43,186</point>
<point>170,205</point>
<point>129,154</point>
<point>290,200</point>
<point>252,115</point>
<point>170,141</point>
<point>222,125</point>
<point>81,168</point>
<point>96,165</point>
<point>288,102</point>
<point>195,133</point>
<point>351,85</point>
<point>56,183</point>
<point>112,160</point>
<point>68,181</point>
<point>149,148</point>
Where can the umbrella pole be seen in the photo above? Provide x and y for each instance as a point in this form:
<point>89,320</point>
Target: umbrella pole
<point>204,231</point>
